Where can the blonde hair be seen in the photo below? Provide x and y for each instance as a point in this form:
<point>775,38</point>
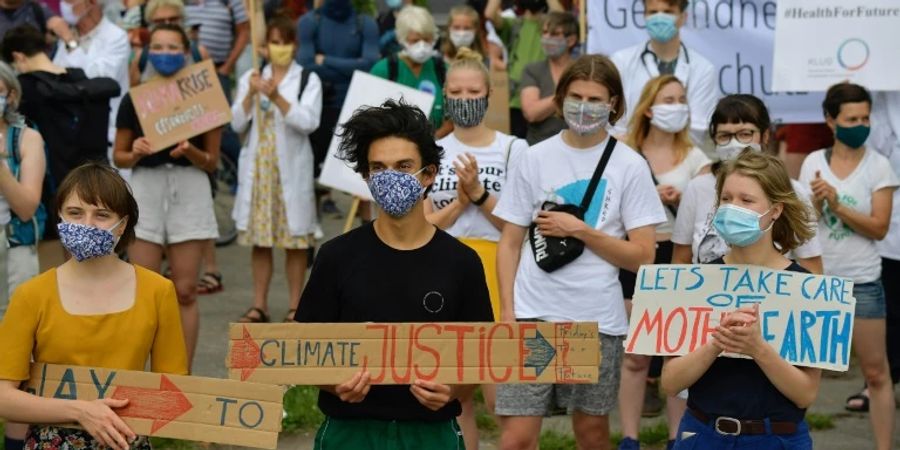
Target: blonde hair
<point>639,126</point>
<point>415,19</point>
<point>449,49</point>
<point>469,59</point>
<point>153,5</point>
<point>792,228</point>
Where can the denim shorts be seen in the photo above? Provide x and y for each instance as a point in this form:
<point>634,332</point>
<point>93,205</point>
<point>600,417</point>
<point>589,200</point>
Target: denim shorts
<point>869,300</point>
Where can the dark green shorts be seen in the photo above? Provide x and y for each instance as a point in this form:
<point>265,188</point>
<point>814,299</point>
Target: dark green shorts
<point>363,434</point>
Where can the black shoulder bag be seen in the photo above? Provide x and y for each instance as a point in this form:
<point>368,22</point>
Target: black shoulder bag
<point>551,253</point>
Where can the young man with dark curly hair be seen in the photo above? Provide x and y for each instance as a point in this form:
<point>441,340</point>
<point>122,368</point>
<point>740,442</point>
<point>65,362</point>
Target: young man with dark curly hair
<point>399,268</point>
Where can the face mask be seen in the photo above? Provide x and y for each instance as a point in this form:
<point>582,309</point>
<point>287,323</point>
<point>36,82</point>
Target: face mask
<point>739,226</point>
<point>585,117</point>
<point>466,112</point>
<point>661,27</point>
<point>167,63</point>
<point>730,150</point>
<point>554,47</point>
<point>420,51</point>
<point>394,4</point>
<point>86,242</point>
<point>67,11</point>
<point>396,192</point>
<point>853,137</point>
<point>462,38</point>
<point>2,104</point>
<point>670,118</point>
<point>281,55</point>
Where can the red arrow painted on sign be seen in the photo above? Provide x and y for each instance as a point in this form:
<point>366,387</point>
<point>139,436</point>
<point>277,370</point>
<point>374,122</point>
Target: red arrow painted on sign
<point>161,405</point>
<point>245,355</point>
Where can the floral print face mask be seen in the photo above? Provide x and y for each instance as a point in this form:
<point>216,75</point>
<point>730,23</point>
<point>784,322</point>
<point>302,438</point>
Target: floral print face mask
<point>85,242</point>
<point>396,192</point>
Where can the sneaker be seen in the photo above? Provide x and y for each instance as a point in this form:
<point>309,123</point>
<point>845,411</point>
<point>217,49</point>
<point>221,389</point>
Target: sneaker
<point>329,207</point>
<point>318,233</point>
<point>629,444</point>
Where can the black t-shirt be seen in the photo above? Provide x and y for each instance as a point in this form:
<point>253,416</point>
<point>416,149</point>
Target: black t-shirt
<point>127,118</point>
<point>737,387</point>
<point>358,278</point>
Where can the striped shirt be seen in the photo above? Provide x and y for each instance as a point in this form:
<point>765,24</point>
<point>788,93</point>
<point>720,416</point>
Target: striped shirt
<point>216,20</point>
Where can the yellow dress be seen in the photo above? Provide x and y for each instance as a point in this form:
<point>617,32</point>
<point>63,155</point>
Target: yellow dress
<point>268,225</point>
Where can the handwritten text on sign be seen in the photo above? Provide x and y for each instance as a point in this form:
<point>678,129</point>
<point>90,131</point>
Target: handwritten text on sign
<point>399,353</point>
<point>807,318</point>
<point>185,105</point>
<point>191,408</point>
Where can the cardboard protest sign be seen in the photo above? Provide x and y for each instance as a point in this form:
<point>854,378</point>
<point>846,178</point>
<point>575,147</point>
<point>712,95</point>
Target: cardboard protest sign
<point>399,353</point>
<point>808,319</point>
<point>185,105</point>
<point>497,117</point>
<point>181,407</point>
<point>365,90</point>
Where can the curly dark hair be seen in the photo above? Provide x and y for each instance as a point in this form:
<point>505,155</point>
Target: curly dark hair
<point>392,119</point>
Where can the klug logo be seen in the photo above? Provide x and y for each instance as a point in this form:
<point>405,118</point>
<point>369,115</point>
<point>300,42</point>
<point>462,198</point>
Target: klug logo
<point>853,54</point>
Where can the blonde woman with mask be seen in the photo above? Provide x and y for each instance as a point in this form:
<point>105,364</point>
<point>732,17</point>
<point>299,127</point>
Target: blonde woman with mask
<point>275,203</point>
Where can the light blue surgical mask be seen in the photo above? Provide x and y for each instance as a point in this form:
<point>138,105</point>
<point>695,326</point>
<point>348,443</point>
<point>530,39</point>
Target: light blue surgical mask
<point>739,226</point>
<point>661,27</point>
<point>396,192</point>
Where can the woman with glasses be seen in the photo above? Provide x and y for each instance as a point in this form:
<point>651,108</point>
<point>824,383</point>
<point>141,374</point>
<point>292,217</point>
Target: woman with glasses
<point>739,121</point>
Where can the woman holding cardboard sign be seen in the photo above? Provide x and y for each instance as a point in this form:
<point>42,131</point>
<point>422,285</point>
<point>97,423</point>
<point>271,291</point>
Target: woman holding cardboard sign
<point>275,204</point>
<point>758,402</point>
<point>171,187</point>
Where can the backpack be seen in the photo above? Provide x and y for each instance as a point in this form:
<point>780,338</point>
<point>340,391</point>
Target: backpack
<point>439,68</point>
<point>145,56</point>
<point>19,232</point>
<point>75,123</point>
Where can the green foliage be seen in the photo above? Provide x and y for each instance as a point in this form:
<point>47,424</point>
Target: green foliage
<point>159,443</point>
<point>654,435</point>
<point>300,406</point>
<point>820,421</point>
<point>554,440</point>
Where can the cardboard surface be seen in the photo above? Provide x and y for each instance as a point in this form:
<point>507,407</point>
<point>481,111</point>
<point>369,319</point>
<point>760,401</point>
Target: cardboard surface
<point>497,117</point>
<point>181,407</point>
<point>808,319</point>
<point>185,105</point>
<point>399,353</point>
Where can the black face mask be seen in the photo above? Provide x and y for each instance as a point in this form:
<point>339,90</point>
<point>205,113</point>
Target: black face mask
<point>535,6</point>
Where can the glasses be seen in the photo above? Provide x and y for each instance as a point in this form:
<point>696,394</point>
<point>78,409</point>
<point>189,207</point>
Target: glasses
<point>742,136</point>
<point>174,20</point>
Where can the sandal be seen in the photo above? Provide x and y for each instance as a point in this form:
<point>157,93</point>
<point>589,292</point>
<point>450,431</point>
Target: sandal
<point>289,317</point>
<point>863,405</point>
<point>210,283</point>
<point>260,317</point>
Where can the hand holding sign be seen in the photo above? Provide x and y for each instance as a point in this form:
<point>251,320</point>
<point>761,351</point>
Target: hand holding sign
<point>104,425</point>
<point>355,389</point>
<point>739,333</point>
<point>141,147</point>
<point>431,395</point>
<point>180,149</point>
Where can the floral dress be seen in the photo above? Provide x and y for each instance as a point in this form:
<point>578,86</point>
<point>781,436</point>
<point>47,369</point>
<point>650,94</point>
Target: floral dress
<point>268,225</point>
<point>49,437</point>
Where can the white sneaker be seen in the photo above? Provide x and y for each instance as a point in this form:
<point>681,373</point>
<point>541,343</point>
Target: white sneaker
<point>318,233</point>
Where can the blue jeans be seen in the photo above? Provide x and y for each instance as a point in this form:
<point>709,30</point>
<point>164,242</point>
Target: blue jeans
<point>706,437</point>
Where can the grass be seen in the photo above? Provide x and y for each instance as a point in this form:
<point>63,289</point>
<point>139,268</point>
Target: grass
<point>648,436</point>
<point>820,422</point>
<point>554,440</point>
<point>302,413</point>
<point>172,444</point>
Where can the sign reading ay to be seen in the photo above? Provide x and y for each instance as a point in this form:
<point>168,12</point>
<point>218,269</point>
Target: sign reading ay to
<point>808,319</point>
<point>180,107</point>
<point>399,353</point>
<point>191,408</point>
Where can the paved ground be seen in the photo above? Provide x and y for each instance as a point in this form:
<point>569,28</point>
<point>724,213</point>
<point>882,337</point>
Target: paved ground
<point>851,431</point>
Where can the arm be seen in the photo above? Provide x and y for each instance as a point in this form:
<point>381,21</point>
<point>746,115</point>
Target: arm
<point>241,38</point>
<point>306,54</point>
<point>509,250</point>
<point>812,264</point>
<point>874,226</point>
<point>492,12</point>
<point>134,70</point>
<point>303,116</point>
<point>445,217</point>
<point>370,52</point>
<point>535,108</point>
<point>24,195</point>
<point>106,63</point>
<point>207,158</point>
<point>242,108</point>
<point>445,129</point>
<point>124,156</point>
<point>682,254</point>
<point>682,372</point>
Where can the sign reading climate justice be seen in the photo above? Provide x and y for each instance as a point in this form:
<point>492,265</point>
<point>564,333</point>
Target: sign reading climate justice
<point>854,40</point>
<point>399,353</point>
<point>807,319</point>
<point>191,408</point>
<point>180,107</point>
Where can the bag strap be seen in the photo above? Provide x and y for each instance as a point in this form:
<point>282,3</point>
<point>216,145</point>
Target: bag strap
<point>304,80</point>
<point>598,173</point>
<point>12,149</point>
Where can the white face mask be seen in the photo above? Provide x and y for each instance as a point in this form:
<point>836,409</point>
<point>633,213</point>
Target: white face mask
<point>730,150</point>
<point>420,51</point>
<point>670,118</point>
<point>67,10</point>
<point>462,38</point>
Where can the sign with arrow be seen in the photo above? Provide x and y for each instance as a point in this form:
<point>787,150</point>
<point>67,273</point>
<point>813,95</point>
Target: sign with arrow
<point>173,406</point>
<point>400,353</point>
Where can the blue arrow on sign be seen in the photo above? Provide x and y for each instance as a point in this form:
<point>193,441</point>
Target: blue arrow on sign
<point>540,352</point>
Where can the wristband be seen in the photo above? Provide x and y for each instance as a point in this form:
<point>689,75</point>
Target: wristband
<point>482,199</point>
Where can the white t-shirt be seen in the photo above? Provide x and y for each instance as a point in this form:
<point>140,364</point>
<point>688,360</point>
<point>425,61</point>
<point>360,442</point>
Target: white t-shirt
<point>846,253</point>
<point>885,139</point>
<point>588,288</point>
<point>495,162</point>
<point>678,178</point>
<point>695,215</point>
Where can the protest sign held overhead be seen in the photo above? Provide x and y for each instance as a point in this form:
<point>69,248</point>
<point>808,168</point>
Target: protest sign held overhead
<point>181,407</point>
<point>808,319</point>
<point>399,353</point>
<point>177,108</point>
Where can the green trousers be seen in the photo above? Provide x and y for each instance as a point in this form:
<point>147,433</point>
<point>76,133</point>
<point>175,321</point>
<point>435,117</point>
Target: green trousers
<point>364,434</point>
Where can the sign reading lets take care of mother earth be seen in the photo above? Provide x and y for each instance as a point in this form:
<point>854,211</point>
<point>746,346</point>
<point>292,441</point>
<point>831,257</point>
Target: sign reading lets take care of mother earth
<point>807,319</point>
<point>185,105</point>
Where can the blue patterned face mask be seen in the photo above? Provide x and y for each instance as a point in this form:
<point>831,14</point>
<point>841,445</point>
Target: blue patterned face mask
<point>396,192</point>
<point>86,242</point>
